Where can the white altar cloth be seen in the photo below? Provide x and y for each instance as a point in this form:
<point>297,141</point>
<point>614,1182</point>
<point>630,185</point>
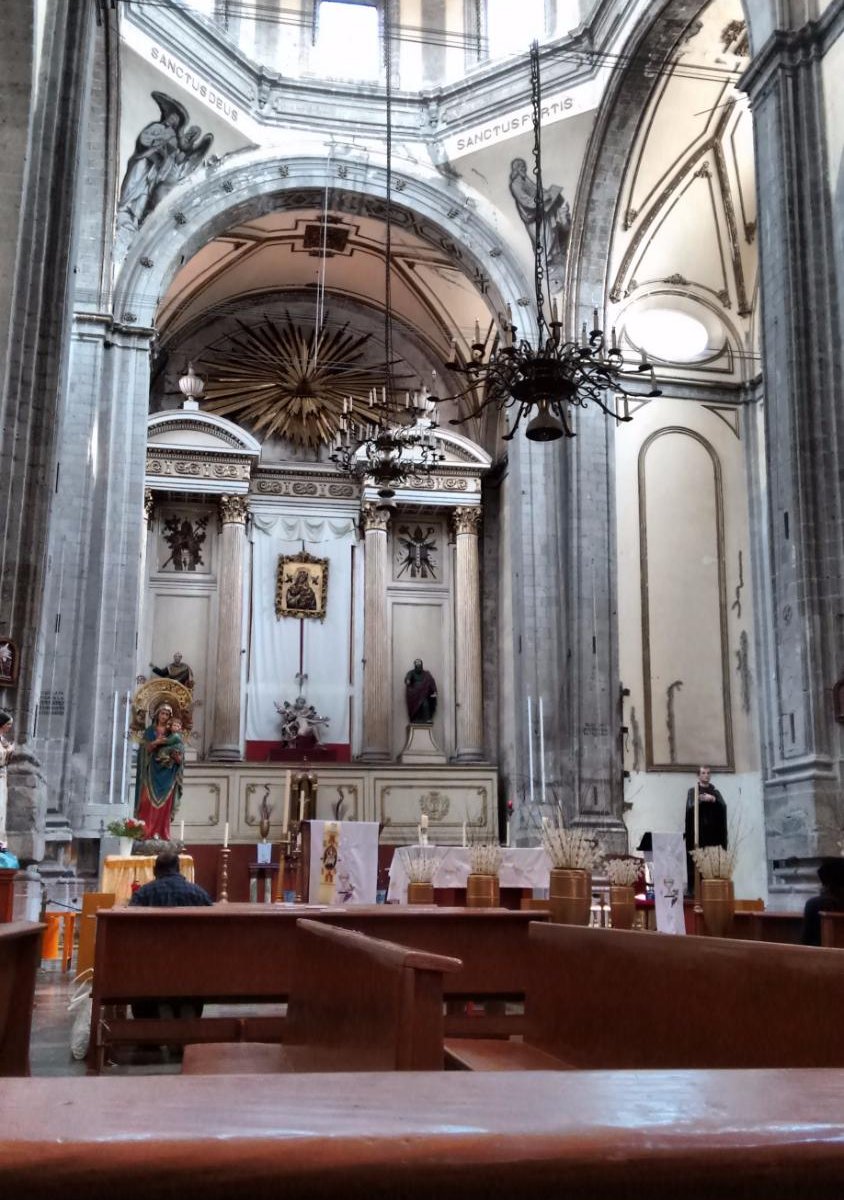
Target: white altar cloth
<point>521,867</point>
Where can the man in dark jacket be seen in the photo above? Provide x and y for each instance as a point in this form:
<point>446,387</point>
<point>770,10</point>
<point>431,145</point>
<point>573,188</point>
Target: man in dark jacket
<point>169,888</point>
<point>711,819</point>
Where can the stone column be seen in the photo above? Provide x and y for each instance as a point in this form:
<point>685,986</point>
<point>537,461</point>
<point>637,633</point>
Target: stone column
<point>375,522</point>
<point>469,747</point>
<point>225,739</point>
<point>799,528</point>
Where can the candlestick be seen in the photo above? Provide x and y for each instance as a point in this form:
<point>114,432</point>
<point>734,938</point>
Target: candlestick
<point>223,889</point>
<point>226,836</point>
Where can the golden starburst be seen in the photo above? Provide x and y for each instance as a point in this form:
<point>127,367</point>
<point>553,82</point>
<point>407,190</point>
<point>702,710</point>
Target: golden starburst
<point>289,382</point>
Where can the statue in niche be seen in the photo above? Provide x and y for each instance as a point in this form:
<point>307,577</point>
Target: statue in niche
<point>166,152</point>
<point>555,218</point>
<point>421,694</point>
<point>184,538</point>
<point>178,669</point>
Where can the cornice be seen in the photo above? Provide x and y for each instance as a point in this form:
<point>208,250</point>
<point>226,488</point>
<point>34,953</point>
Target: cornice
<point>792,48</point>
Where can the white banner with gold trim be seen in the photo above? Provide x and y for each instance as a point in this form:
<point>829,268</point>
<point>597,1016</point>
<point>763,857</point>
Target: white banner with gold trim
<point>344,862</point>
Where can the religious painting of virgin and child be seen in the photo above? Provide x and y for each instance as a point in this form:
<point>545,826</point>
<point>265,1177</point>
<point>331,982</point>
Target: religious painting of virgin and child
<point>301,588</point>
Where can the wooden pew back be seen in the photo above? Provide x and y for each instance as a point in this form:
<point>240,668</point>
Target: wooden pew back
<point>361,1004</point>
<point>20,954</point>
<point>611,999</point>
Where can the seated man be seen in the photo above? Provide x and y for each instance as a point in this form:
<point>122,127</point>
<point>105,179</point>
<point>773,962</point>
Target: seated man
<point>169,889</point>
<point>831,899</point>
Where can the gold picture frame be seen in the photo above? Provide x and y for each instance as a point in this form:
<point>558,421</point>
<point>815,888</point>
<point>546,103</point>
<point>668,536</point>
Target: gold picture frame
<point>301,586</point>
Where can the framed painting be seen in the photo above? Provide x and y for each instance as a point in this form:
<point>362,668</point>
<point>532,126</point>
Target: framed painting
<point>301,586</point>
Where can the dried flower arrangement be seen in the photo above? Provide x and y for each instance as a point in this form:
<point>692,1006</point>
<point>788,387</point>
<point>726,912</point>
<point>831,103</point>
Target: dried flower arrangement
<point>485,858</point>
<point>419,862</point>
<point>570,849</point>
<point>623,872</point>
<point>714,862</point>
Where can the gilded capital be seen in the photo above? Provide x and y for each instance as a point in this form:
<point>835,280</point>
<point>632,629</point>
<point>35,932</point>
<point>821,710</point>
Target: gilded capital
<point>149,504</point>
<point>374,516</point>
<point>233,510</point>
<point>467,519</point>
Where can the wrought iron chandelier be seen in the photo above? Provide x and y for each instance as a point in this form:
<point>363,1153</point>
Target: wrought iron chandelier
<point>541,383</point>
<point>393,442</point>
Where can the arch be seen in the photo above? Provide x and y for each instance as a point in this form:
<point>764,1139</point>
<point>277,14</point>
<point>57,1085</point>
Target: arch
<point>231,438</point>
<point>255,182</point>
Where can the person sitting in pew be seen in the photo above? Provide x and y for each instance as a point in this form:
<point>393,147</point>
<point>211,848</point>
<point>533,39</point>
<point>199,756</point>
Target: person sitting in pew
<point>169,889</point>
<point>831,899</point>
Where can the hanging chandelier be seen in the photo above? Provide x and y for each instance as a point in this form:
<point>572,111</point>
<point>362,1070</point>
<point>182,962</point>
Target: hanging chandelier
<point>392,442</point>
<point>540,383</point>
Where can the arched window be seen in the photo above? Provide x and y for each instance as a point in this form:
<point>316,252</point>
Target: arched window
<point>511,27</point>
<point>347,44</point>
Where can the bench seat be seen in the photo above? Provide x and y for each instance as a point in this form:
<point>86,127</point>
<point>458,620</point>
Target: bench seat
<point>496,1054</point>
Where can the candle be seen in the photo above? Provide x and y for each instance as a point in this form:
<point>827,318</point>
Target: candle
<point>542,749</point>
<point>424,821</point>
<point>507,842</point>
<point>285,820</point>
<point>464,835</point>
<point>226,836</point>
<point>182,832</point>
<point>530,749</point>
<point>301,805</point>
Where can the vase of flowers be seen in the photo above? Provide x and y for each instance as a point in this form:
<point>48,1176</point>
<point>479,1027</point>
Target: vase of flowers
<point>420,863</point>
<point>622,874</point>
<point>127,830</point>
<point>574,855</point>
<point>717,896</point>
<point>482,889</point>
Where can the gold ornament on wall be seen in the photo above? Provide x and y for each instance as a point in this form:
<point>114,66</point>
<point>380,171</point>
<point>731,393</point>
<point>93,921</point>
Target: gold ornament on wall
<point>289,382</point>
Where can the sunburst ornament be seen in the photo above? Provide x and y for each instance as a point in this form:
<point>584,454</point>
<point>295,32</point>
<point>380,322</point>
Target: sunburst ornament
<point>290,382</point>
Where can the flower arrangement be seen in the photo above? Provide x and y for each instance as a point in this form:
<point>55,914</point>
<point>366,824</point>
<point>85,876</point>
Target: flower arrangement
<point>485,858</point>
<point>623,872</point>
<point>419,862</point>
<point>127,827</point>
<point>714,862</point>
<point>570,849</point>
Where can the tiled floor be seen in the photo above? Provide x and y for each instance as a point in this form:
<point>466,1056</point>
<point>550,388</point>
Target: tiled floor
<point>51,1025</point>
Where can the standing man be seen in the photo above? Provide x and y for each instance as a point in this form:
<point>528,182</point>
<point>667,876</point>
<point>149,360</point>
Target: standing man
<point>706,820</point>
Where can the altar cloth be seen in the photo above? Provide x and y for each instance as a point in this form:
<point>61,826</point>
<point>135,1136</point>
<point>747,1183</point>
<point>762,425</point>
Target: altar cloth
<point>120,873</point>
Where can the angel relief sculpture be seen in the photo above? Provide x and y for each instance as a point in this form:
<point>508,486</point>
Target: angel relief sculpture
<point>166,152</point>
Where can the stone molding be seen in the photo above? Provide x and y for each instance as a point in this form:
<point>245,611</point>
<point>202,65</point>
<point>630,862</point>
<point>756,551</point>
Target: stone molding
<point>373,517</point>
<point>467,520</point>
<point>233,510</point>
<point>197,465</point>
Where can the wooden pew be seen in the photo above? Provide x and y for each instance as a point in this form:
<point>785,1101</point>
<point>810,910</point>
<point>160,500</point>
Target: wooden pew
<point>758,1135</point>
<point>20,956</point>
<point>606,999</point>
<point>832,930</point>
<point>247,954</point>
<point>356,1004</point>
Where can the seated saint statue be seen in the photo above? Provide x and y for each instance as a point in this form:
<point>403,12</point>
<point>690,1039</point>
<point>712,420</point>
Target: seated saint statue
<point>420,694</point>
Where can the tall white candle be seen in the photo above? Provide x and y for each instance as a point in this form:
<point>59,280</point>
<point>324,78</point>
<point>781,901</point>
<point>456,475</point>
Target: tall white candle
<point>424,821</point>
<point>464,835</point>
<point>226,836</point>
<point>542,748</point>
<point>124,771</point>
<point>530,748</point>
<point>182,832</point>
<point>285,821</point>
<point>507,842</point>
<point>113,748</point>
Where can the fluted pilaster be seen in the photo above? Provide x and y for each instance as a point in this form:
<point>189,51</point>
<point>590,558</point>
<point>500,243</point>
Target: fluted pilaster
<point>466,524</point>
<point>375,523</point>
<point>225,742</point>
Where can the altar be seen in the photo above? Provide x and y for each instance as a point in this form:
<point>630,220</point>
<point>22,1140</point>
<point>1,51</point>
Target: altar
<point>521,867</point>
<point>120,873</point>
